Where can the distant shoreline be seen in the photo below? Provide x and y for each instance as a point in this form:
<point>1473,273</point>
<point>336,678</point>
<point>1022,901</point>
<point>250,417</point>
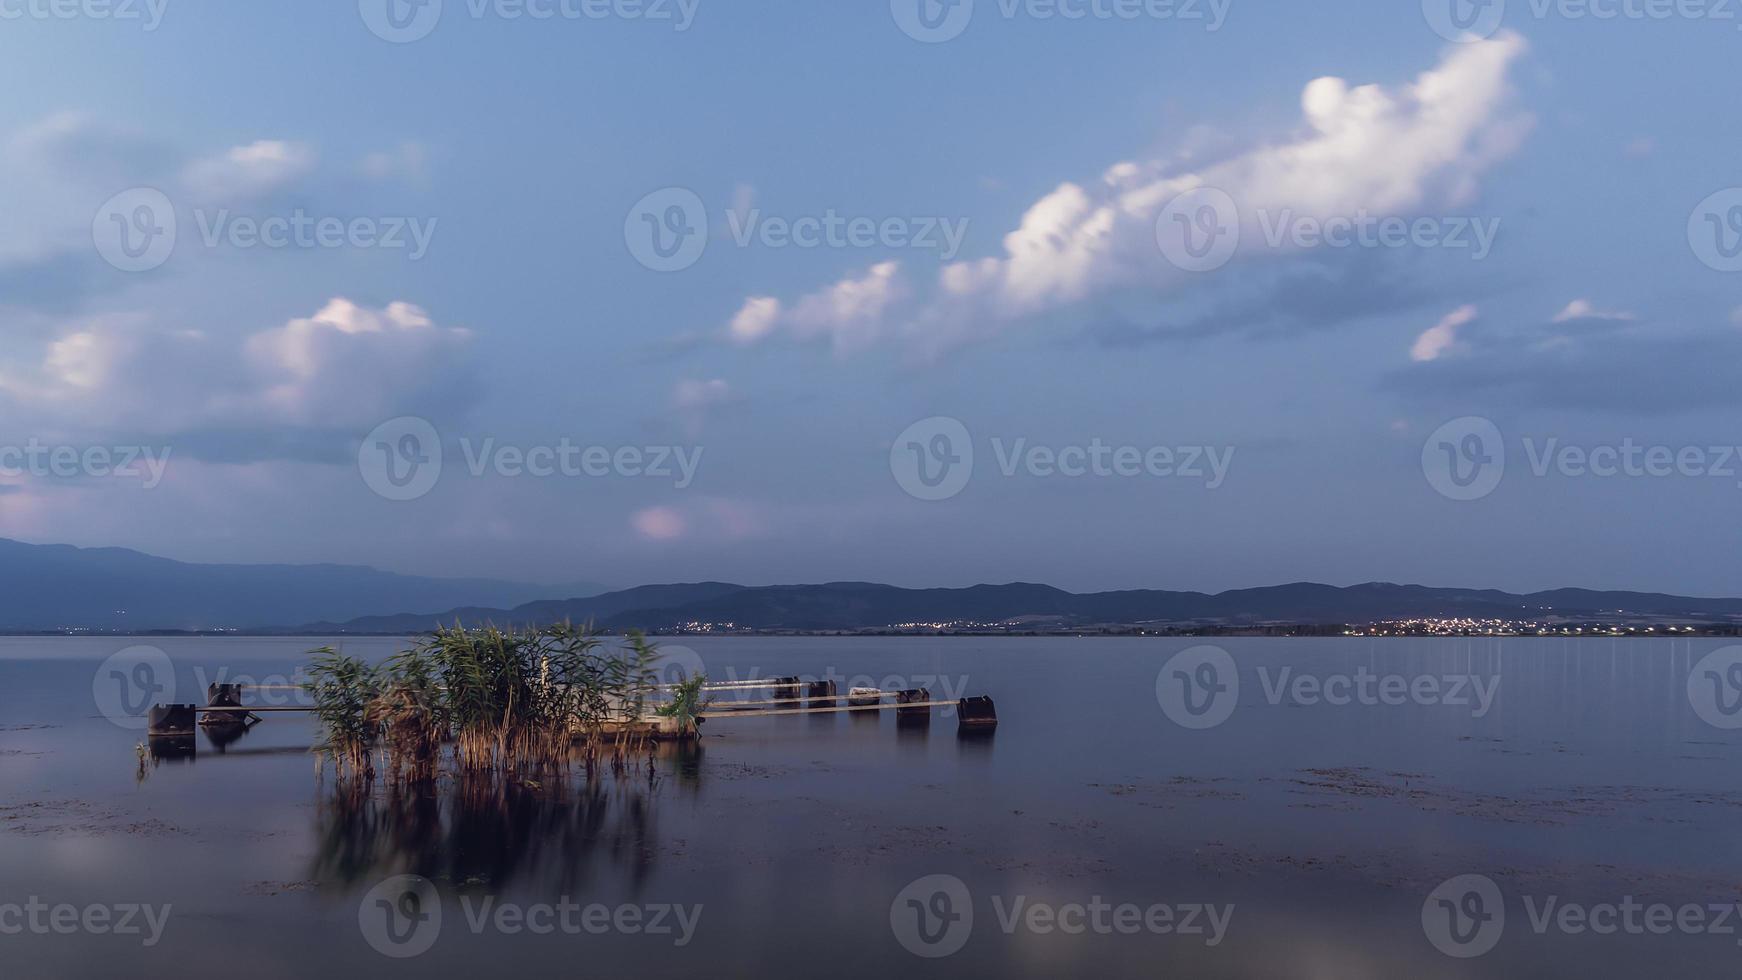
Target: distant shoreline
<point>1279,631</point>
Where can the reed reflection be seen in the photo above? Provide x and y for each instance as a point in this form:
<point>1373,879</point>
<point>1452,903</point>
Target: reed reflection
<point>478,828</point>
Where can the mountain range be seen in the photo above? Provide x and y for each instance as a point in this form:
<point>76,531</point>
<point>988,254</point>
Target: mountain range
<point>854,606</point>
<point>58,587</point>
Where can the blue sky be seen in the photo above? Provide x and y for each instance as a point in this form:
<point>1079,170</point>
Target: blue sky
<point>530,152</point>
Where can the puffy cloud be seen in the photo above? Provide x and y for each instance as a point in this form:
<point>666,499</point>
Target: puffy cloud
<point>407,161</point>
<point>1582,309</point>
<point>61,167</point>
<point>250,171</point>
<point>706,520</point>
<point>694,402</point>
<point>74,145</point>
<point>1442,337</point>
<point>1320,292</point>
<point>694,396</point>
<point>1627,368</point>
<point>851,314</point>
<point>755,320</point>
<point>347,363</point>
<point>1362,149</point>
<point>658,523</point>
<point>274,392</point>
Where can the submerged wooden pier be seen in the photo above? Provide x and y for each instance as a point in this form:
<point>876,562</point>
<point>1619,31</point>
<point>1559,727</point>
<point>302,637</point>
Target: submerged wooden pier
<point>224,708</point>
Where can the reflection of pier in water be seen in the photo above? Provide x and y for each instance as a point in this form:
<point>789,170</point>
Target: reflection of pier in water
<point>484,830</point>
<point>185,748</point>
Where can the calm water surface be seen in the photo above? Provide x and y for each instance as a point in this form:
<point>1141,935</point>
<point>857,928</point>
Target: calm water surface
<point>1589,779</point>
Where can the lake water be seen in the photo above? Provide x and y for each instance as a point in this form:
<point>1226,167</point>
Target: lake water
<point>1319,823</point>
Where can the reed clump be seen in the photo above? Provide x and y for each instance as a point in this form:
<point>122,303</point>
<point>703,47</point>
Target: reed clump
<point>515,701</point>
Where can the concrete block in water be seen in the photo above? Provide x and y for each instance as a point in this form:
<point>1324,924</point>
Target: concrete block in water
<point>917,696</point>
<point>977,713</point>
<point>822,694</point>
<point>224,696</point>
<point>171,721</point>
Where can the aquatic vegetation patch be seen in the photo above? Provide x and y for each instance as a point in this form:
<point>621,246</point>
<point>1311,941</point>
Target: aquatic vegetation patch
<point>520,701</point>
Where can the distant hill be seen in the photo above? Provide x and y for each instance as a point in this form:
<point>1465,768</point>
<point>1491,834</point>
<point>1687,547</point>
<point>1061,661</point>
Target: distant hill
<point>57,587</point>
<point>52,587</point>
<point>862,606</point>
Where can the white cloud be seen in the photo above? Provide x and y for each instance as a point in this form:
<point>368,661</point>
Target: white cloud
<point>259,168</point>
<point>755,320</point>
<point>407,161</point>
<point>347,363</point>
<point>743,202</point>
<point>59,167</point>
<point>696,396</point>
<point>851,314</point>
<point>1640,148</point>
<point>1583,309</point>
<point>704,520</point>
<point>1441,338</point>
<point>345,366</point>
<point>1382,151</point>
<point>658,523</point>
<point>74,145</point>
